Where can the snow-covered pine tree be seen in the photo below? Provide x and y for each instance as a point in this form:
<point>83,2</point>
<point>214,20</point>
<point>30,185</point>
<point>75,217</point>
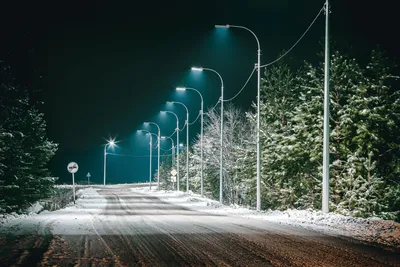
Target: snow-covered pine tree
<point>26,149</point>
<point>165,172</point>
<point>279,98</point>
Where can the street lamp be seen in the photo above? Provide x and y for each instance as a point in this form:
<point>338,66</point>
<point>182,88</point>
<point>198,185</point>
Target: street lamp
<point>172,147</point>
<point>110,143</point>
<point>158,160</point>
<point>201,132</point>
<point>151,148</point>
<point>258,110</point>
<point>222,125</point>
<point>177,147</point>
<point>187,141</point>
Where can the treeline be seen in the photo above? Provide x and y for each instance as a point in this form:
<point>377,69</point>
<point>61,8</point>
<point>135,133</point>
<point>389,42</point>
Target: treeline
<point>364,141</point>
<point>24,147</point>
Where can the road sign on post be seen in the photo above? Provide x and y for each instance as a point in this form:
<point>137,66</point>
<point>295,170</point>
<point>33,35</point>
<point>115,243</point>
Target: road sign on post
<point>173,177</point>
<point>88,177</point>
<point>73,168</point>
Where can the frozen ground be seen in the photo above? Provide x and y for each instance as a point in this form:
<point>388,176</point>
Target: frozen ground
<point>371,230</point>
<point>124,226</point>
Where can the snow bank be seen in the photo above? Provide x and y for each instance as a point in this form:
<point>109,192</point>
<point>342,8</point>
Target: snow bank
<point>35,208</point>
<point>370,230</point>
<point>73,219</point>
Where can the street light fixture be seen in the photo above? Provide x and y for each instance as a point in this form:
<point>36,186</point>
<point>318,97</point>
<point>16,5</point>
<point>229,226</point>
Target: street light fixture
<point>158,160</point>
<point>258,110</point>
<point>222,26</point>
<point>187,141</point>
<point>196,68</point>
<point>110,143</point>
<point>177,147</point>
<point>201,132</point>
<point>222,126</point>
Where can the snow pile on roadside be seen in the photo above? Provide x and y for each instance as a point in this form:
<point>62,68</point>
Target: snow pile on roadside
<point>371,230</point>
<point>86,198</point>
<point>101,185</point>
<point>35,208</point>
<point>5,218</point>
<point>31,210</point>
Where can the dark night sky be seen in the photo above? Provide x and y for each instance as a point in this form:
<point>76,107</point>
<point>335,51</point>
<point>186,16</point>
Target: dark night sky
<point>103,69</point>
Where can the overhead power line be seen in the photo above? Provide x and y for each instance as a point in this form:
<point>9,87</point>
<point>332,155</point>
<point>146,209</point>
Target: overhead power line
<point>198,116</point>
<point>248,79</point>
<point>216,104</point>
<point>293,46</point>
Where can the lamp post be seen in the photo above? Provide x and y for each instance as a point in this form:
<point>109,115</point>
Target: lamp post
<point>258,110</point>
<point>222,126</point>
<point>110,143</point>
<point>158,158</point>
<point>201,133</point>
<point>325,163</point>
<point>172,147</point>
<point>177,146</point>
<point>151,148</point>
<point>187,142</point>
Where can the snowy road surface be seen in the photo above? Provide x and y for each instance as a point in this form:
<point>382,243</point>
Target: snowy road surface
<point>122,227</point>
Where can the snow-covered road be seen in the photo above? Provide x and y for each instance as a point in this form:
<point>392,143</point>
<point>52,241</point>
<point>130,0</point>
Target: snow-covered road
<point>120,226</point>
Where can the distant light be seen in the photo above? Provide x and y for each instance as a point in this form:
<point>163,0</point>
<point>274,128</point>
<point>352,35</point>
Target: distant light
<point>170,102</point>
<point>181,88</point>
<point>197,68</point>
<point>163,137</point>
<point>181,144</point>
<point>222,26</point>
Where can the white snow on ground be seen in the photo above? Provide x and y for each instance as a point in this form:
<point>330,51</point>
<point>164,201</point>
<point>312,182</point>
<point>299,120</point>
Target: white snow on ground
<point>72,220</point>
<point>35,208</point>
<point>371,230</point>
<point>77,219</point>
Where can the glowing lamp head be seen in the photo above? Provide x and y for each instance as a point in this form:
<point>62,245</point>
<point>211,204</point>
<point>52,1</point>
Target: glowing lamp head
<point>111,143</point>
<point>163,137</point>
<point>181,145</point>
<point>170,102</point>
<point>146,123</point>
<point>163,112</point>
<point>222,26</point>
<point>197,69</point>
<point>181,88</point>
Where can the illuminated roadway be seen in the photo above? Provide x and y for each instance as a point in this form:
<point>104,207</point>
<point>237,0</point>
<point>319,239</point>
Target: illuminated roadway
<point>138,229</point>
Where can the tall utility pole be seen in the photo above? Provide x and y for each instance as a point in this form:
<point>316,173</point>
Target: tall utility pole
<point>187,141</point>
<point>201,132</point>
<point>110,143</point>
<point>222,125</point>
<point>158,157</point>
<point>325,170</point>
<point>258,130</point>
<point>258,110</point>
<point>177,146</point>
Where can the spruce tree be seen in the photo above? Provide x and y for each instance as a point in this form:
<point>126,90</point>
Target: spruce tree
<point>26,151</point>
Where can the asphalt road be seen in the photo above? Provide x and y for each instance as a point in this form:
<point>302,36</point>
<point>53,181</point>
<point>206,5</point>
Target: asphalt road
<point>137,229</point>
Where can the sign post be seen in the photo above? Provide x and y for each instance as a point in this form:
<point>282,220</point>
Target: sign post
<point>73,168</point>
<point>88,177</point>
<point>173,177</point>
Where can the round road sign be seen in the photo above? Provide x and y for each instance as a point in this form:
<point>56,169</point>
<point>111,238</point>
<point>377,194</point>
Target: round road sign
<point>72,167</point>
